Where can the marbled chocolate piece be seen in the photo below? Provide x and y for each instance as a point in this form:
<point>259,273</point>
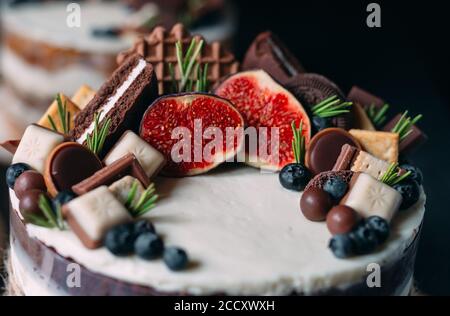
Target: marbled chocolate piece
<point>90,216</point>
<point>122,187</point>
<point>36,145</point>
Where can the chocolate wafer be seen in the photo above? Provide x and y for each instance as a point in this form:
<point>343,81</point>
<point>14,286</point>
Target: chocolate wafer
<point>346,158</point>
<point>310,89</point>
<point>158,48</point>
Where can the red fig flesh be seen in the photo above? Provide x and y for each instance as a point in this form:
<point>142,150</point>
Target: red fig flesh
<point>264,103</point>
<point>184,126</point>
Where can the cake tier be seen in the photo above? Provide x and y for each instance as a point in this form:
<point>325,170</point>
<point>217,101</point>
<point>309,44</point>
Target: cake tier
<point>245,235</point>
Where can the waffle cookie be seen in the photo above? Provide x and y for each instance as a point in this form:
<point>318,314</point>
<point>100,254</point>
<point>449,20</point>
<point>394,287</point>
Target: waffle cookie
<point>158,48</point>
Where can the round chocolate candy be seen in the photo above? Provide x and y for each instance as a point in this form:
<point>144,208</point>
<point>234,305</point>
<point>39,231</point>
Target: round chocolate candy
<point>69,164</point>
<point>341,219</point>
<point>315,204</point>
<point>325,147</point>
<point>29,203</point>
<point>29,180</point>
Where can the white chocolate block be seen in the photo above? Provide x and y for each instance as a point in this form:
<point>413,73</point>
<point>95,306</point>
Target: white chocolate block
<point>95,213</point>
<point>36,145</point>
<point>151,159</point>
<point>370,197</point>
<point>122,187</point>
<point>369,164</point>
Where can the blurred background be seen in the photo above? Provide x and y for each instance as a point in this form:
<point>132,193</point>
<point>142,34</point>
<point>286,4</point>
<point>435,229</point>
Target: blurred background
<point>405,62</point>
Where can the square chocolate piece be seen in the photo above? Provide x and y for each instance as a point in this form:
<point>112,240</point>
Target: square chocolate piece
<point>365,98</point>
<point>127,165</point>
<point>36,145</point>
<point>150,159</point>
<point>90,216</point>
<point>370,197</point>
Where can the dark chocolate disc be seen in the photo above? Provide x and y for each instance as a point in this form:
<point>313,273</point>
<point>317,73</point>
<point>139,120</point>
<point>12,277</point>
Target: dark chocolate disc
<point>69,164</point>
<point>325,147</point>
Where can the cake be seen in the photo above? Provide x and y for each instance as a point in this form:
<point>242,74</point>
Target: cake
<point>231,189</point>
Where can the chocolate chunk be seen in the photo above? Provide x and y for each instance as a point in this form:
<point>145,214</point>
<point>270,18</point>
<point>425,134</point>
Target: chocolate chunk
<point>341,219</point>
<point>315,204</point>
<point>310,89</point>
<point>128,165</point>
<point>365,98</point>
<point>123,98</point>
<point>29,203</point>
<point>319,180</point>
<point>68,164</point>
<point>413,141</point>
<point>325,147</point>
<point>346,158</point>
<point>10,145</point>
<point>267,52</point>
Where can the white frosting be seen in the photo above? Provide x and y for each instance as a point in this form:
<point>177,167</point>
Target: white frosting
<point>244,234</point>
<point>47,22</point>
<point>109,105</point>
<point>39,83</point>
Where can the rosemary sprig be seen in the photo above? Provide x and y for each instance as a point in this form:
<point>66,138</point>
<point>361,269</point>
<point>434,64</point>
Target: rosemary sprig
<point>144,203</point>
<point>63,114</point>
<point>96,140</point>
<point>404,125</point>
<point>392,175</point>
<point>331,107</point>
<point>191,72</point>
<point>298,143</point>
<point>377,116</point>
<point>50,218</point>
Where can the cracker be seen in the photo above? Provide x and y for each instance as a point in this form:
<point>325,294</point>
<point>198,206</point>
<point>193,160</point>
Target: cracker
<point>53,112</point>
<point>83,96</point>
<point>383,145</point>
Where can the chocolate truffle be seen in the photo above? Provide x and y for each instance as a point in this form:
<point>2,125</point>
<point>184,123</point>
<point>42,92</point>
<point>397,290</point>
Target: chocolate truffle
<point>29,180</point>
<point>325,148</point>
<point>341,219</point>
<point>315,204</point>
<point>68,164</point>
<point>29,203</point>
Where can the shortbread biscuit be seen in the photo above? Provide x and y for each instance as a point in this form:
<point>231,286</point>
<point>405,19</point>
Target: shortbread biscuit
<point>383,145</point>
<point>53,112</point>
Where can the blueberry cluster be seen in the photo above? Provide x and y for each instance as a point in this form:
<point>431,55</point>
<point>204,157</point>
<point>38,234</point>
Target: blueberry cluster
<point>363,239</point>
<point>410,188</point>
<point>141,238</point>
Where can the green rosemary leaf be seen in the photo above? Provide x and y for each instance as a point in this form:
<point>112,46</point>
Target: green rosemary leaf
<point>132,194</point>
<point>331,107</point>
<point>190,64</point>
<point>298,142</point>
<point>404,125</point>
<point>37,220</point>
<point>188,55</point>
<point>97,139</point>
<point>52,123</point>
<point>205,78</point>
<point>179,53</point>
<point>392,175</point>
<point>380,115</point>
<point>401,178</point>
<point>61,114</point>
<point>46,209</point>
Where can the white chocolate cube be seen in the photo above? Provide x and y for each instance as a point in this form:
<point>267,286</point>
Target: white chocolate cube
<point>150,159</point>
<point>36,145</point>
<point>93,214</point>
<point>370,197</point>
<point>122,187</point>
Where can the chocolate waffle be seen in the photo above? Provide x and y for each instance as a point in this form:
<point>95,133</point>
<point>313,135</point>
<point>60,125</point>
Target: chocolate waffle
<point>158,48</point>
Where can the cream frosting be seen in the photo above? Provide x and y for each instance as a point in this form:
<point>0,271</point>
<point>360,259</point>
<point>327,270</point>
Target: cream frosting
<point>244,234</point>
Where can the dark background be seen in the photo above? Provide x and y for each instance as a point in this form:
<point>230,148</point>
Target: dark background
<point>406,62</point>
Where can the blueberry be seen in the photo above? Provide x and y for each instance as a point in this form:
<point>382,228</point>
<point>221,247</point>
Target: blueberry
<point>14,171</point>
<point>143,226</point>
<point>294,176</point>
<point>105,32</point>
<point>321,123</point>
<point>410,191</point>
<point>63,197</point>
<point>336,187</point>
<point>148,246</point>
<point>416,174</point>
<point>120,239</point>
<point>379,226</point>
<point>175,258</point>
<point>364,239</point>
<point>341,245</point>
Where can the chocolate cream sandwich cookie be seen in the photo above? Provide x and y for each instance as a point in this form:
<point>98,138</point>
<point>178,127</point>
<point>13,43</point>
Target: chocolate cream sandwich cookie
<point>123,99</point>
